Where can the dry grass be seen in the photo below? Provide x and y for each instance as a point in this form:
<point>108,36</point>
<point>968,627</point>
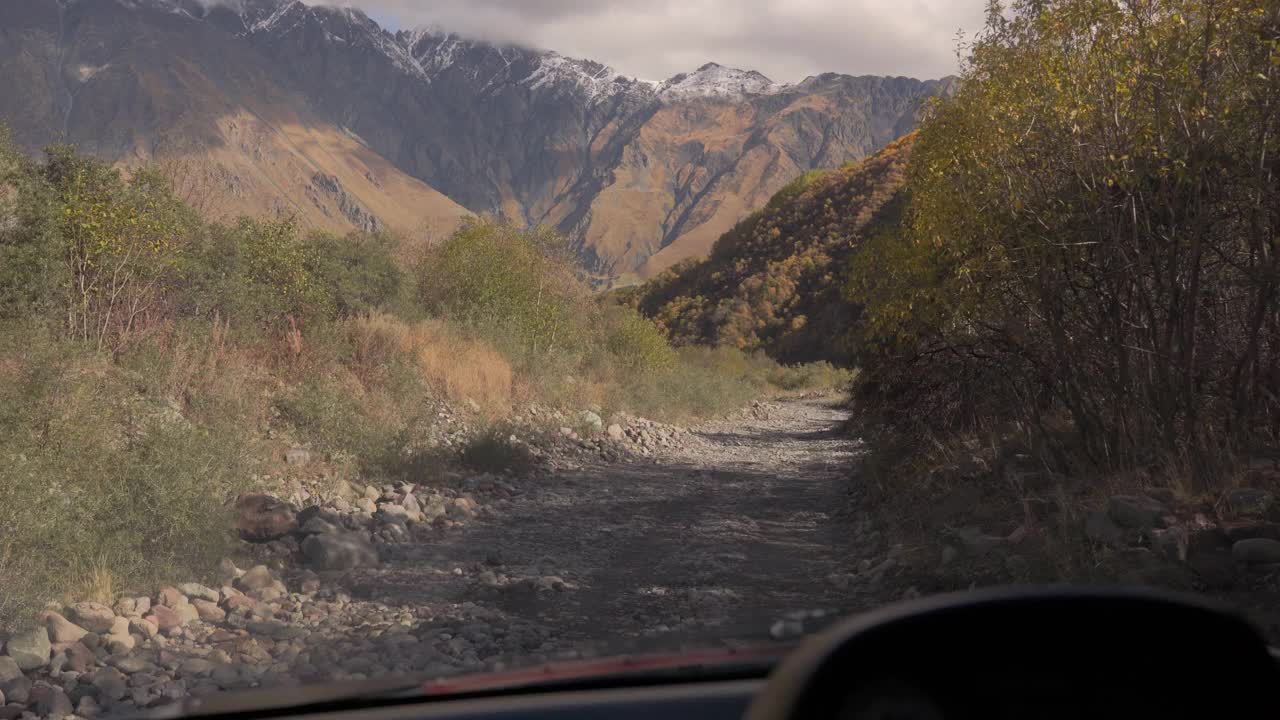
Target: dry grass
<point>460,367</point>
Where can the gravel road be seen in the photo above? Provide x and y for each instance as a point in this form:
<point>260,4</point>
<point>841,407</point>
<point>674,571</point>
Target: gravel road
<point>737,534</point>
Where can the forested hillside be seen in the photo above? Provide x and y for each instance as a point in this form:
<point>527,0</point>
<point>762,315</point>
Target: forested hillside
<point>776,281</point>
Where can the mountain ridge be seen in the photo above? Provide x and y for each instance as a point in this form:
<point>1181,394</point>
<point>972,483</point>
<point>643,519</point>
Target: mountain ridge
<point>637,173</point>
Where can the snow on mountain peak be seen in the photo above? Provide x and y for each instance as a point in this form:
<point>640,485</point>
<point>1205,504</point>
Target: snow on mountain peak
<point>718,81</point>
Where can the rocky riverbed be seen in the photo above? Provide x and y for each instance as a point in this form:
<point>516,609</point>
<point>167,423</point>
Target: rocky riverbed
<point>629,536</point>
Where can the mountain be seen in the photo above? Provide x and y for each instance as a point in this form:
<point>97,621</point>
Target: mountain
<point>138,82</point>
<point>776,281</point>
<point>321,112</point>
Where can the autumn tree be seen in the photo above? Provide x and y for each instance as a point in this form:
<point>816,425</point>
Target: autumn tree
<point>1093,226</point>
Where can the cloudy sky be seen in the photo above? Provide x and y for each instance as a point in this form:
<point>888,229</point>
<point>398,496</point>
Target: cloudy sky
<point>654,39</point>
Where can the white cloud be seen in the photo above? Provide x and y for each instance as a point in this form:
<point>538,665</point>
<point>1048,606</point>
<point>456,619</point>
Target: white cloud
<point>785,39</point>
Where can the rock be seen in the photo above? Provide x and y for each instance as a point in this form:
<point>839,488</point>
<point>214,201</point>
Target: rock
<point>187,613</point>
<point>128,664</point>
<point>616,433</point>
<point>30,649</point>
<point>120,643</point>
<point>62,630</point>
<point>126,606</point>
<point>256,578</point>
<point>1236,530</point>
<point>171,597</point>
<point>277,630</point>
<point>1100,528</point>
<point>236,602</point>
<point>110,683</point>
<point>1171,544</point>
<point>18,690</point>
<point>263,518</point>
<point>9,669</point>
<point>1250,501</point>
<point>209,611</point>
<point>367,505</point>
<point>227,571</point>
<point>143,627</point>
<point>79,658</point>
<point>88,707</point>
<point>92,616</point>
<point>372,492</point>
<point>51,702</point>
<point>297,456</point>
<point>1137,512</point>
<point>1254,551</point>
<point>317,526</point>
<point>197,666</point>
<point>308,582</point>
<point>339,551</point>
<point>165,619</point>
<point>463,507</point>
<point>12,711</point>
<point>196,590</point>
<point>783,629</point>
<point>591,420</point>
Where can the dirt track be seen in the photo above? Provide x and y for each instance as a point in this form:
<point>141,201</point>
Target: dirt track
<point>732,536</point>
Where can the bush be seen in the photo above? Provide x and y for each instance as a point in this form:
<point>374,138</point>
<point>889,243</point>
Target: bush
<point>99,481</point>
<point>515,288</point>
<point>634,343</point>
<point>33,277</point>
<point>357,273</point>
<point>493,452</point>
<point>1087,233</point>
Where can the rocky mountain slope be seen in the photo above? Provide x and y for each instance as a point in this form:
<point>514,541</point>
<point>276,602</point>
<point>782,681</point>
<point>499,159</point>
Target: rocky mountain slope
<point>141,83</point>
<point>776,281</point>
<point>321,112</point>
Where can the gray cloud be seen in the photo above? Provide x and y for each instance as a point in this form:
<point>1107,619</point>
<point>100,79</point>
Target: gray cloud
<point>654,39</point>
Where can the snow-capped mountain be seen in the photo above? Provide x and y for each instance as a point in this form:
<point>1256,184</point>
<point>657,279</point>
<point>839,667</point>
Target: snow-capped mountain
<point>638,173</point>
<point>717,81</point>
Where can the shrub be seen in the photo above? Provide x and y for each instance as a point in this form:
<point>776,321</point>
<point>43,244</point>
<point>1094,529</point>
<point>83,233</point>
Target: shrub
<point>515,288</point>
<point>33,279</point>
<point>358,273</point>
<point>492,451</point>
<point>634,342</point>
<point>1087,236</point>
<point>100,481</point>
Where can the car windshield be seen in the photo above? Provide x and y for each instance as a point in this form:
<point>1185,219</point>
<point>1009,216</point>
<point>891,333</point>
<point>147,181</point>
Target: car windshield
<point>380,339</point>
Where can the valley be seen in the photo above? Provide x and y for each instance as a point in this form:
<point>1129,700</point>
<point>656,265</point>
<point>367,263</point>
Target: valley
<point>321,114</point>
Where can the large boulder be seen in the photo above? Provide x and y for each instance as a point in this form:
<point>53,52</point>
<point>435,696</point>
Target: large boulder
<point>51,701</point>
<point>263,518</point>
<point>110,683</point>
<point>197,591</point>
<point>1137,512</point>
<point>92,616</point>
<point>9,669</point>
<point>1257,551</point>
<point>339,551</point>
<point>591,420</point>
<point>30,649</point>
<point>61,630</point>
<point>255,578</point>
<point>1100,528</point>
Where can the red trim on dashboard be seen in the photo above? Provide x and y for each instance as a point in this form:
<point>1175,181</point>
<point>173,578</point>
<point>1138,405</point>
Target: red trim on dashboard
<point>592,668</point>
